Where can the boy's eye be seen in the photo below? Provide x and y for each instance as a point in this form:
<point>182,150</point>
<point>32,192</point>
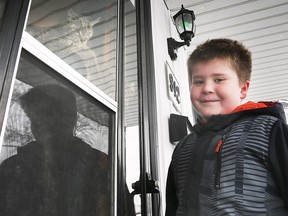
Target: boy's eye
<point>197,82</point>
<point>219,80</point>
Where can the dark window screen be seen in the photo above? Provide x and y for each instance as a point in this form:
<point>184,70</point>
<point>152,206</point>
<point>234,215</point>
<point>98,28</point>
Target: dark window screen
<point>56,155</point>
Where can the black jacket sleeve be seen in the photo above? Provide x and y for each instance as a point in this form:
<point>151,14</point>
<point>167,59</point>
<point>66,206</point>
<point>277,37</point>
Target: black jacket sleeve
<point>278,153</point>
<point>171,197</point>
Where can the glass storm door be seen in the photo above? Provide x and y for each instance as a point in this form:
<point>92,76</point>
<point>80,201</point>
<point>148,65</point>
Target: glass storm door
<point>73,136</point>
<point>58,140</point>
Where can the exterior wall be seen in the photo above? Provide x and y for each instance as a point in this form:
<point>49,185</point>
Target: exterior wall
<point>163,28</point>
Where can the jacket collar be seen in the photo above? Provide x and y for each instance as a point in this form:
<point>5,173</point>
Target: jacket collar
<point>219,122</point>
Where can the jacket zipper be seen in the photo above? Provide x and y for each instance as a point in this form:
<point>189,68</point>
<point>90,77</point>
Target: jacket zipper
<point>218,151</point>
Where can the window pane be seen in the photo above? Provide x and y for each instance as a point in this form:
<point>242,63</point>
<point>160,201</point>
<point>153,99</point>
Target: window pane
<point>82,33</point>
<point>56,154</point>
<point>131,107</point>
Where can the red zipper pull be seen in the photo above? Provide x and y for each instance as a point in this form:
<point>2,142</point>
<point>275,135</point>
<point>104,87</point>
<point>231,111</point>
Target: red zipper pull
<point>219,144</point>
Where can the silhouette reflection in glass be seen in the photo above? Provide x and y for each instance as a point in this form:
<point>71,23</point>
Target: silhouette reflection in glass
<point>58,173</point>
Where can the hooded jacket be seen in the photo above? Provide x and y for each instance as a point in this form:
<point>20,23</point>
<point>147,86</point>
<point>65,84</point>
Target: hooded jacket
<point>235,164</point>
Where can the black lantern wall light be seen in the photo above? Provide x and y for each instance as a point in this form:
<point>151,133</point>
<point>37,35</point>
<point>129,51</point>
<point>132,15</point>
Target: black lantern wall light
<point>184,22</point>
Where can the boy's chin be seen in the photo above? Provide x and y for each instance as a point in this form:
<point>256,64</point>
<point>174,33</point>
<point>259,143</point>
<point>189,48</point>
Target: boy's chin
<point>204,119</point>
<point>208,116</point>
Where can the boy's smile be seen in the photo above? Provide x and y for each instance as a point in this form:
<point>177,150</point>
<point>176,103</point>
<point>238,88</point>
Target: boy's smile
<point>216,88</point>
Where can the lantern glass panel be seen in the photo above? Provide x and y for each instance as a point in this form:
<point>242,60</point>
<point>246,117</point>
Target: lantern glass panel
<point>179,24</point>
<point>185,24</point>
<point>188,22</point>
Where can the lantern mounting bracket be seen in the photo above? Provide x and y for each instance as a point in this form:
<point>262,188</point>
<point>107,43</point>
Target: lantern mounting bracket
<point>173,46</point>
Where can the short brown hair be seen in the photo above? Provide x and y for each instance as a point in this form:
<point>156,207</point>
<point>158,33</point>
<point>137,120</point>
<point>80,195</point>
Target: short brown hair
<point>226,49</point>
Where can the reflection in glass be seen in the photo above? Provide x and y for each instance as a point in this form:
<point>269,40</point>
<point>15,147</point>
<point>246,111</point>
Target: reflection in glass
<point>131,105</point>
<point>56,152</point>
<point>82,33</point>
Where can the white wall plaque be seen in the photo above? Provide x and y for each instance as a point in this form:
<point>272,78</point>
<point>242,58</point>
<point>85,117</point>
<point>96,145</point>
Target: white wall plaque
<point>173,88</point>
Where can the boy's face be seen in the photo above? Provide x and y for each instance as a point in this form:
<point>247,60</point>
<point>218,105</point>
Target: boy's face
<point>216,88</point>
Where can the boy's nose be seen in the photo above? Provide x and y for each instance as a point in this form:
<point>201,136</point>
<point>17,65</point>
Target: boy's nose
<point>208,87</point>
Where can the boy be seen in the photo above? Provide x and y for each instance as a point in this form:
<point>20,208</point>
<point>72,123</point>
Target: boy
<point>235,161</point>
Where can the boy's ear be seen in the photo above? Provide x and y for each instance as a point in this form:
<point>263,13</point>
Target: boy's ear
<point>244,89</point>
